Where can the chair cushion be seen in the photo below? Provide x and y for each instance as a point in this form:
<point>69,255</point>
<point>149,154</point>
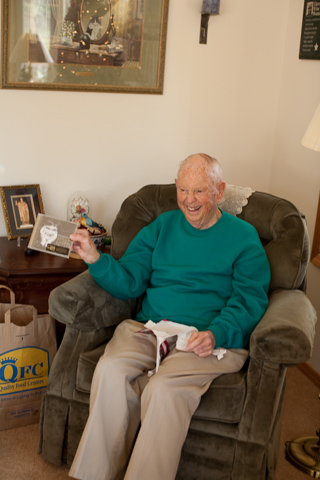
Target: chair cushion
<point>223,401</point>
<point>86,366</point>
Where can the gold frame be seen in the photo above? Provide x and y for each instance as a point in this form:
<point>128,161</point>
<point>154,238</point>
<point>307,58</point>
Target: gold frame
<point>28,62</point>
<point>315,251</point>
<point>10,197</point>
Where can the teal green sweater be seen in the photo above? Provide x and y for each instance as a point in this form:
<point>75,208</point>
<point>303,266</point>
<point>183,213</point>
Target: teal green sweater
<point>214,279</point>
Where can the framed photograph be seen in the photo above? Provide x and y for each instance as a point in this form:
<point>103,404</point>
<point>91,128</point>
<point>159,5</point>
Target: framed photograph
<point>84,45</point>
<point>315,251</point>
<point>51,235</point>
<point>21,204</point>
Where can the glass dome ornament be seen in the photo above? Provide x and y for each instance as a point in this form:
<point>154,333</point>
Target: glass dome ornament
<point>78,205</point>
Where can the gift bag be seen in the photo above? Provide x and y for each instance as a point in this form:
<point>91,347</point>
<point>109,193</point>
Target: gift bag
<point>4,307</point>
<point>27,348</point>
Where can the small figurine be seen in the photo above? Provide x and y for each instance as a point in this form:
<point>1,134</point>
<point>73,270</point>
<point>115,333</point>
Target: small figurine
<point>93,227</point>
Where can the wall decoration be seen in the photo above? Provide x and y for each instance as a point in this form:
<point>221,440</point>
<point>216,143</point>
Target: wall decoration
<point>315,251</point>
<point>84,45</point>
<point>310,33</point>
<point>209,7</point>
<point>21,205</point>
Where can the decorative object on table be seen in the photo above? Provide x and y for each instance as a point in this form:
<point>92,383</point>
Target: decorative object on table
<point>51,235</point>
<point>142,30</point>
<point>209,7</point>
<point>78,210</point>
<point>27,348</point>
<point>21,204</point>
<point>96,231</point>
<point>78,204</point>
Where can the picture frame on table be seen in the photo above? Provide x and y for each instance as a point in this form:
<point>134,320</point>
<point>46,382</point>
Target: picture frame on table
<point>315,251</point>
<point>84,45</point>
<point>21,205</point>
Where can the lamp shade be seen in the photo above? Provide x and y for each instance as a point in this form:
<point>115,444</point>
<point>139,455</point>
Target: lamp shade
<point>311,138</point>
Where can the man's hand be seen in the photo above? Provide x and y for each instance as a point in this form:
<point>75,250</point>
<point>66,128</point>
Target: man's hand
<point>202,343</point>
<point>84,246</point>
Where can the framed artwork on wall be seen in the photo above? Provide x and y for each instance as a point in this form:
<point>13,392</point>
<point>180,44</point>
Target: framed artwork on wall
<point>84,45</point>
<point>21,205</point>
<point>315,251</point>
<point>310,31</point>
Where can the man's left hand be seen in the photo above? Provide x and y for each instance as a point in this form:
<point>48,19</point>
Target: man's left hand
<point>202,343</point>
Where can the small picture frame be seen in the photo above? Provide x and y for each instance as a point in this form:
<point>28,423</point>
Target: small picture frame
<point>21,205</point>
<point>315,251</point>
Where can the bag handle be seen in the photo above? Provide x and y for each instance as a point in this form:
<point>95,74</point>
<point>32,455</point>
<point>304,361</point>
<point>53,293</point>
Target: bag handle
<point>12,295</point>
<point>8,323</point>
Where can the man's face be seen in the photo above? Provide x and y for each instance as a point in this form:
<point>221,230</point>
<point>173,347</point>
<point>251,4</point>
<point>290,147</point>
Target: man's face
<point>48,234</point>
<point>196,195</point>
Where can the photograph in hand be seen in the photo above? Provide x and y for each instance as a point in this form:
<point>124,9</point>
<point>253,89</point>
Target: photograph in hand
<point>51,235</point>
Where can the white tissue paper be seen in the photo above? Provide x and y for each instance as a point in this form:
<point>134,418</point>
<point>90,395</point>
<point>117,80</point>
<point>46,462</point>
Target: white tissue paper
<point>166,329</point>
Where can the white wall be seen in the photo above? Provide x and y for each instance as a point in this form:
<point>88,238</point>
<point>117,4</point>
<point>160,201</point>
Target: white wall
<point>228,98</point>
<point>296,169</point>
<point>220,98</point>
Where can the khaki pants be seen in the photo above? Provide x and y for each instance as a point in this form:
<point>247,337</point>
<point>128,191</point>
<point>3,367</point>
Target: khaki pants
<point>122,395</point>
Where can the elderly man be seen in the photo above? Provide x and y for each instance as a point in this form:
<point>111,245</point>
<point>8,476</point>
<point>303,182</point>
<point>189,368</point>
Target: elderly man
<point>196,266</point>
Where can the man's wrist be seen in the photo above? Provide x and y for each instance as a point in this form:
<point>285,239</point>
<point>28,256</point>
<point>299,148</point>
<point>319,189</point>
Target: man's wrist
<point>95,258</point>
<point>213,340</point>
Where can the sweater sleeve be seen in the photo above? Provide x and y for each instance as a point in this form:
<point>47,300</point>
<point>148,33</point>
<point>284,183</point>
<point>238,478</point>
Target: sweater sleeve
<point>129,276</point>
<point>249,299</point>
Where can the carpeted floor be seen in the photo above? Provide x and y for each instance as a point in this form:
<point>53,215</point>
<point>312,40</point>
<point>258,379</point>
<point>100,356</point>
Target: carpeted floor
<point>301,417</point>
<point>18,447</point>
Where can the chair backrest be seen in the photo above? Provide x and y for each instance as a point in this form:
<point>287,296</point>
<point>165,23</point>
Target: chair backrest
<point>280,225</point>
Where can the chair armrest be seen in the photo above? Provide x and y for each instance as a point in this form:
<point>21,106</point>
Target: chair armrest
<point>286,332</point>
<point>82,304</point>
<point>62,378</point>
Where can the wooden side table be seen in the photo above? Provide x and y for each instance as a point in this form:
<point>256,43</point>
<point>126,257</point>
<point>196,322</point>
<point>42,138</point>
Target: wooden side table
<point>32,277</point>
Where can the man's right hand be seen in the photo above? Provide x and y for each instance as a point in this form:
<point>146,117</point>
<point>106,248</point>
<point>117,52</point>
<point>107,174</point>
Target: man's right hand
<point>84,246</point>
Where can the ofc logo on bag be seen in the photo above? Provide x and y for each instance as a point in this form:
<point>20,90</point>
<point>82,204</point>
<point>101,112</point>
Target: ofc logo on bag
<point>23,369</point>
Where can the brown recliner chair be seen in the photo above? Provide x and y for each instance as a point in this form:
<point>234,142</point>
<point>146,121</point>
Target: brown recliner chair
<point>234,433</point>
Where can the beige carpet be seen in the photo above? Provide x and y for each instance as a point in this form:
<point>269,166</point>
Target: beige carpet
<point>18,447</point>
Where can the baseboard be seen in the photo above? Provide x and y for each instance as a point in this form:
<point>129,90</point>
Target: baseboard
<point>310,373</point>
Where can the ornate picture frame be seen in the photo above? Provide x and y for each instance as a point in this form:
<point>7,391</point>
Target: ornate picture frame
<point>84,45</point>
<point>315,251</point>
<point>21,205</point>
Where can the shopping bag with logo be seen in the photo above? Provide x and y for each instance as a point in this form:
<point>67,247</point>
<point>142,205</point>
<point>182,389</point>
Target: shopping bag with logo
<point>27,348</point>
<point>4,307</point>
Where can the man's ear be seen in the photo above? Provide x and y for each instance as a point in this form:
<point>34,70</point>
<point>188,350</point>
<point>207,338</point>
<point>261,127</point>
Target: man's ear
<point>176,182</point>
<point>221,189</point>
